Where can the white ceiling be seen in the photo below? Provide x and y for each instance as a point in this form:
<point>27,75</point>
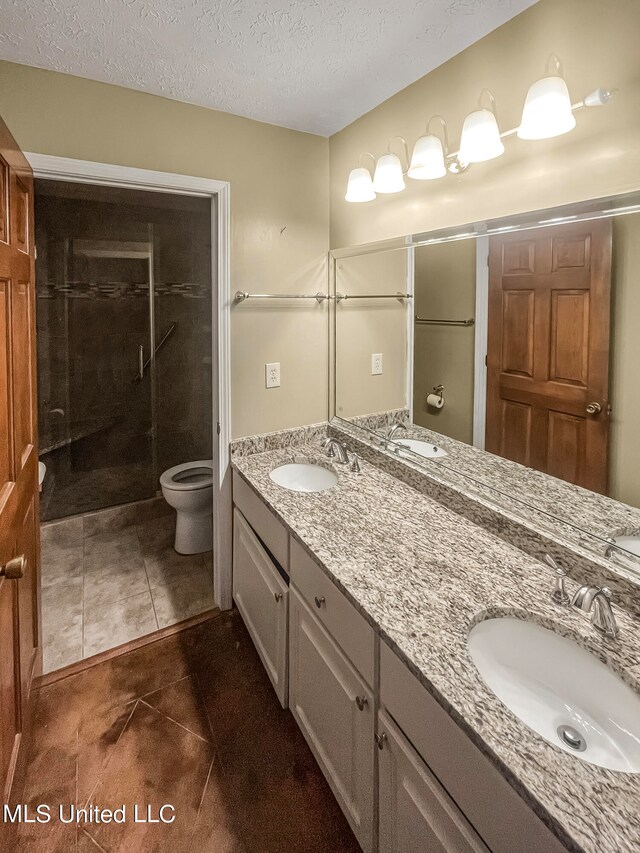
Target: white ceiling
<point>313,65</point>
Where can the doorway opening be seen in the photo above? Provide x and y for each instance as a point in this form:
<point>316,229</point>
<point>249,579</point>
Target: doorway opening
<point>124,340</point>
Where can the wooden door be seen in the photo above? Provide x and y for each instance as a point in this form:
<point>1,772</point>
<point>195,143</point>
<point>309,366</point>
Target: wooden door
<point>548,350</point>
<point>19,525</point>
<point>416,813</point>
<point>334,710</point>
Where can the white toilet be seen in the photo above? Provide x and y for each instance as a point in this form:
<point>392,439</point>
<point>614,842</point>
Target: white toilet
<point>188,488</point>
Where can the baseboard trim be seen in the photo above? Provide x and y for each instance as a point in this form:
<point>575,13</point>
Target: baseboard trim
<point>82,665</point>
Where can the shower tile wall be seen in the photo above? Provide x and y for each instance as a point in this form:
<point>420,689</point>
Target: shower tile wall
<point>103,437</point>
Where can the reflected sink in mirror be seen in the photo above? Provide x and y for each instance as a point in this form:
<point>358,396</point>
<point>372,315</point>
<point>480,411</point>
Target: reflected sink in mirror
<point>304,476</point>
<point>422,448</point>
<point>629,543</point>
<point>560,690</point>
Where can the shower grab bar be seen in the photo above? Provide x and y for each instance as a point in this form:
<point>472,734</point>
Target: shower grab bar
<point>340,296</point>
<point>144,364</point>
<point>428,322</point>
<point>241,295</point>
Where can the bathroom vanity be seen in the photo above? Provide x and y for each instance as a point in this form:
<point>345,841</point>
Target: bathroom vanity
<point>360,599</point>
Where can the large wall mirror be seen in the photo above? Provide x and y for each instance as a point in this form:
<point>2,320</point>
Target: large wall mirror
<point>507,352</point>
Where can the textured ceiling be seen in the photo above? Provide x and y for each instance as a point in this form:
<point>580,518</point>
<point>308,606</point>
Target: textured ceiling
<point>313,65</point>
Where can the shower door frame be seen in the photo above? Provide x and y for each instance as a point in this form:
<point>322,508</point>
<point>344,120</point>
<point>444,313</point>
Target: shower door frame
<point>126,177</point>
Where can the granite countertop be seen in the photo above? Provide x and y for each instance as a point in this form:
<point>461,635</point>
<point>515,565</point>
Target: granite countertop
<point>423,576</point>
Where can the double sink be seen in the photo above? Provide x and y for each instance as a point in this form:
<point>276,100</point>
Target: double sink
<point>552,684</point>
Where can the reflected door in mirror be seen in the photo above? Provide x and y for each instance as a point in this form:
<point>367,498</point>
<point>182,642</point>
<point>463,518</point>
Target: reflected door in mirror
<point>548,350</point>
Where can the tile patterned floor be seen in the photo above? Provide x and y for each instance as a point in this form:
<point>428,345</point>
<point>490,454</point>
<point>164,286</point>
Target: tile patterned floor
<point>113,576</point>
<point>189,720</point>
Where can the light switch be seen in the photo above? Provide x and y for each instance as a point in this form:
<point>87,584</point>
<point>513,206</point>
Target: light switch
<point>272,375</point>
<point>376,363</point>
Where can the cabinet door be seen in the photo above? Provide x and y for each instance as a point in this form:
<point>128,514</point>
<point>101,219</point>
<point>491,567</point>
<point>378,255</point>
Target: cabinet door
<point>334,710</point>
<point>262,597</point>
<point>416,813</point>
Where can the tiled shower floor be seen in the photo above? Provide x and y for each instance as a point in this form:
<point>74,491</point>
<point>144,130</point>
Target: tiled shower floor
<point>113,576</point>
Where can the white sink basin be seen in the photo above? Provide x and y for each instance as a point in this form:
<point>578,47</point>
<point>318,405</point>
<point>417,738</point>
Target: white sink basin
<point>422,448</point>
<point>304,477</point>
<point>560,690</point>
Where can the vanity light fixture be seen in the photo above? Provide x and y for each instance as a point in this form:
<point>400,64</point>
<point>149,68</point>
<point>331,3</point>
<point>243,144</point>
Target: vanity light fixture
<point>389,174</point>
<point>360,186</point>
<point>480,134</point>
<point>428,158</point>
<point>547,110</point>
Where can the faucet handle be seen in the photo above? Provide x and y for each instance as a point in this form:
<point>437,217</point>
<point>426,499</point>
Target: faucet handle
<point>355,464</point>
<point>559,594</point>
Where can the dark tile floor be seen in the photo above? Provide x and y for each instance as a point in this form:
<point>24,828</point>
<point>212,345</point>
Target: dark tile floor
<point>190,720</point>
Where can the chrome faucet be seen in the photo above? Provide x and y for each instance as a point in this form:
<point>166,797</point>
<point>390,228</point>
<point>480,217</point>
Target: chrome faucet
<point>389,434</point>
<point>593,601</point>
<point>393,429</point>
<point>334,449</point>
<point>596,601</point>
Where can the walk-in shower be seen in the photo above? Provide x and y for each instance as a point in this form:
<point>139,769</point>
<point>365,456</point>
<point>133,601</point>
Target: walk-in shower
<point>124,324</point>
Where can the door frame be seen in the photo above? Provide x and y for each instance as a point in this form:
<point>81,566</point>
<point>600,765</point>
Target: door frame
<point>481,333</point>
<point>126,177</point>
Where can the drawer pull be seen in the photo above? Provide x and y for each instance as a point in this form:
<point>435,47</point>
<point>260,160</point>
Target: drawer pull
<point>319,601</point>
<point>380,739</point>
<point>361,702</point>
<point>277,596</point>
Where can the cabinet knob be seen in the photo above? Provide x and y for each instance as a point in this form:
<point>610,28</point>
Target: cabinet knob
<point>14,569</point>
<point>319,601</point>
<point>361,702</point>
<point>380,739</point>
<point>277,596</point>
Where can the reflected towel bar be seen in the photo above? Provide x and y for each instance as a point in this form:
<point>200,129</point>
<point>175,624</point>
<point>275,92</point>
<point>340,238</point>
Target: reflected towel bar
<point>241,295</point>
<point>427,322</point>
<point>340,296</point>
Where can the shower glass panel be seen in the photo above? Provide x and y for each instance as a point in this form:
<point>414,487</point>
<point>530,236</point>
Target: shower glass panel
<point>124,341</point>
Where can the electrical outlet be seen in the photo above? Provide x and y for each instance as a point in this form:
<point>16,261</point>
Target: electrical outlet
<point>376,363</point>
<point>272,375</point>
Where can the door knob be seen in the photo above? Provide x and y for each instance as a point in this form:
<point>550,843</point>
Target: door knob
<point>594,408</point>
<point>14,568</point>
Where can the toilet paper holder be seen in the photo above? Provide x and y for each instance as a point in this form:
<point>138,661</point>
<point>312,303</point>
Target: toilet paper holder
<point>436,398</point>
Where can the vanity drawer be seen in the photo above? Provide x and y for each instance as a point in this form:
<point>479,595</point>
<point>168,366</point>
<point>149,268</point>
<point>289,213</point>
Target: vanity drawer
<point>264,522</point>
<point>347,627</point>
<point>495,810</point>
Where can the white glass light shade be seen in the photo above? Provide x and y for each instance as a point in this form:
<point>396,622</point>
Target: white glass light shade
<point>547,110</point>
<point>388,177</point>
<point>480,138</point>
<point>360,185</point>
<point>427,160</point>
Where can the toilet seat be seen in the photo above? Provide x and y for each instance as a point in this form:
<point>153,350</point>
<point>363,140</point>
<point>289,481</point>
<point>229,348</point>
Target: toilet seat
<point>188,476</point>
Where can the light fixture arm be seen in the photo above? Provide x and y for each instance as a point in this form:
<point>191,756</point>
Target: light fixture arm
<point>557,70</point>
<point>445,133</point>
<point>405,167</point>
<point>492,101</point>
<point>366,154</point>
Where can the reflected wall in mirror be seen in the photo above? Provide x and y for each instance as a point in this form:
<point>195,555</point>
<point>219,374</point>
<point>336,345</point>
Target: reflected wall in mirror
<point>522,343</point>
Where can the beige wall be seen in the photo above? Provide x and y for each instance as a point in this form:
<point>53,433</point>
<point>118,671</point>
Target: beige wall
<point>279,180</point>
<point>625,362</point>
<point>368,326</point>
<point>597,42</point>
<point>445,286</point>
